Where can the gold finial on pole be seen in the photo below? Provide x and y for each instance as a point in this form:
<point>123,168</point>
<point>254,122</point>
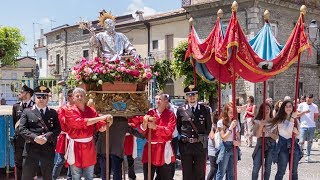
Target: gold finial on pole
<point>234,6</point>
<point>220,13</point>
<point>303,9</point>
<point>191,21</point>
<point>266,15</point>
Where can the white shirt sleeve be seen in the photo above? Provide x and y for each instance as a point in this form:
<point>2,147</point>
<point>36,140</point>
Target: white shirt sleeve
<point>220,123</point>
<point>316,108</point>
<point>300,107</point>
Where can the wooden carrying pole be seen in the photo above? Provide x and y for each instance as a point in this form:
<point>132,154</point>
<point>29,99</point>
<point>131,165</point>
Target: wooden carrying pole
<point>107,151</point>
<point>151,119</point>
<point>123,170</point>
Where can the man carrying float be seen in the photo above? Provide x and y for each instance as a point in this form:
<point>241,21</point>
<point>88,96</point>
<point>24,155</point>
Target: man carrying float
<point>158,125</point>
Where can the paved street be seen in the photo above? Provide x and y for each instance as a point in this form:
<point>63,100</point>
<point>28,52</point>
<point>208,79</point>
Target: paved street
<point>307,171</point>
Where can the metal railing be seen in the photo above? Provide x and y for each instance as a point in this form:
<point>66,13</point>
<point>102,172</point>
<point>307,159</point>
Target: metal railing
<point>9,89</point>
<point>185,3</point>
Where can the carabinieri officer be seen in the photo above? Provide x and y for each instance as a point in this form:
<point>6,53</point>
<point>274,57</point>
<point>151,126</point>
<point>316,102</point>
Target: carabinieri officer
<point>39,126</point>
<point>194,125</point>
<point>18,142</point>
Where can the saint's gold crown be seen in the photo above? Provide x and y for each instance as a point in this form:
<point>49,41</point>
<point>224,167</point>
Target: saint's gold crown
<point>105,15</point>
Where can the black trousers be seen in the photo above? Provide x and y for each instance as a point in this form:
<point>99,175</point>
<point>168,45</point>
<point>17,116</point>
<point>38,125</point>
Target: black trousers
<point>35,154</point>
<point>164,171</point>
<point>193,160</point>
<point>18,159</point>
<point>131,172</point>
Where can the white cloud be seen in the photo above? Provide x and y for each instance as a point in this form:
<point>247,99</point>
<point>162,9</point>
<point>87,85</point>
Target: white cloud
<point>139,5</point>
<point>45,20</point>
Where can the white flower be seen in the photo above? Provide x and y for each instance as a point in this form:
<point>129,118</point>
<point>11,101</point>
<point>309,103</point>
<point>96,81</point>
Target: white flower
<point>94,77</point>
<point>100,81</point>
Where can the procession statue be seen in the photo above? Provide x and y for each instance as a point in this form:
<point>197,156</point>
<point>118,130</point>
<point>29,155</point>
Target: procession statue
<point>111,44</point>
<point>116,78</point>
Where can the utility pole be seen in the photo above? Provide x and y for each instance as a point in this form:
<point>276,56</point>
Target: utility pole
<point>51,23</point>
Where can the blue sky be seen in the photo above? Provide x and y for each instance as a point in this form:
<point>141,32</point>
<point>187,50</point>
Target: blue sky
<point>31,15</point>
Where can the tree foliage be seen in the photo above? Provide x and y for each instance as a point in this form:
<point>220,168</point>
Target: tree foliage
<point>10,44</point>
<point>165,72</point>
<point>184,68</point>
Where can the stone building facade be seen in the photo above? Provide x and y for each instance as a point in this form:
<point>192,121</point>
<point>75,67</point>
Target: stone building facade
<point>13,76</point>
<point>156,35</point>
<point>284,14</point>
<point>41,55</point>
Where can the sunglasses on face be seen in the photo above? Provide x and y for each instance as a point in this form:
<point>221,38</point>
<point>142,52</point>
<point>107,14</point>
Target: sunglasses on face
<point>192,94</point>
<point>41,97</point>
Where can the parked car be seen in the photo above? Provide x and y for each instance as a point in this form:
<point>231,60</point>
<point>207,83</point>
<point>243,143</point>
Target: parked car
<point>178,102</point>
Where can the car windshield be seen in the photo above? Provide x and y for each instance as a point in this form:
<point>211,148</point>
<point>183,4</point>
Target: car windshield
<point>178,102</point>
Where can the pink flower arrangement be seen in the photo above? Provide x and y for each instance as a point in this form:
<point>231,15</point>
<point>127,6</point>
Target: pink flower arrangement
<point>102,70</point>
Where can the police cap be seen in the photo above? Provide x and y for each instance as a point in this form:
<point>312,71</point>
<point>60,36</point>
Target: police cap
<point>191,90</point>
<point>25,88</point>
<point>41,90</point>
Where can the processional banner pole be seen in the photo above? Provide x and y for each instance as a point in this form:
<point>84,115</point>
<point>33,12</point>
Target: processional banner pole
<point>295,118</point>
<point>263,133</point>
<point>235,155</point>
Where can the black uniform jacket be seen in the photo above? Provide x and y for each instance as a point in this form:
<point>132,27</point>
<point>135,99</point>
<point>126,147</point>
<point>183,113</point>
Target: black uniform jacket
<point>32,126</point>
<point>201,119</point>
<point>17,110</point>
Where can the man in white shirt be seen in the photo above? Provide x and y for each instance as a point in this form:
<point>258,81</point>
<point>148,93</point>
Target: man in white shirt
<point>308,113</point>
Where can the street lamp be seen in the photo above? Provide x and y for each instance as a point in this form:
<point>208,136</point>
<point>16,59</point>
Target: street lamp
<point>151,62</point>
<point>313,33</point>
<point>63,82</point>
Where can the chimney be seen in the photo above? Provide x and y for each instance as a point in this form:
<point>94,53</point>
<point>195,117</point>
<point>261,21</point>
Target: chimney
<point>139,15</point>
<point>41,33</point>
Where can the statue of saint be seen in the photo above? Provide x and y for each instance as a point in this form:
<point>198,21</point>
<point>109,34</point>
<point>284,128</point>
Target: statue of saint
<point>111,44</point>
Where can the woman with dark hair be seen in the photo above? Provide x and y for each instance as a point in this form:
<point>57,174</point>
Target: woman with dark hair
<point>276,107</point>
<point>264,125</point>
<point>248,123</point>
<point>286,126</point>
<point>226,125</point>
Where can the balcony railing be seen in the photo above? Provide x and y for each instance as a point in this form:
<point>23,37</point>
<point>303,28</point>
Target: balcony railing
<point>160,55</point>
<point>185,3</point>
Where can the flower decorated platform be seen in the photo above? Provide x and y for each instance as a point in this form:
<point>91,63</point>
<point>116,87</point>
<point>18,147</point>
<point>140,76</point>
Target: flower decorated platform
<point>115,87</point>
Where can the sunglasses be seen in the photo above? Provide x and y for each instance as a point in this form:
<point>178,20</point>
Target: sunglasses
<point>41,97</point>
<point>191,94</point>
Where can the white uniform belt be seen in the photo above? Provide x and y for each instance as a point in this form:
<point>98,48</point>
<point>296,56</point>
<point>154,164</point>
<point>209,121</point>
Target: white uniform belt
<point>168,153</point>
<point>70,156</point>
